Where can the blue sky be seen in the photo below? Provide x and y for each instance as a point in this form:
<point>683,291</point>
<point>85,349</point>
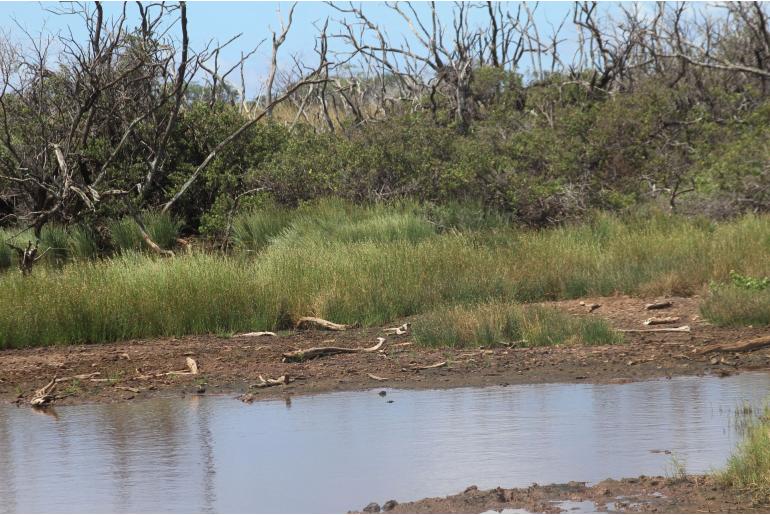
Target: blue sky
<point>221,20</point>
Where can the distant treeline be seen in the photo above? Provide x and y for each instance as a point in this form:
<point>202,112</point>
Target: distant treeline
<point>659,104</point>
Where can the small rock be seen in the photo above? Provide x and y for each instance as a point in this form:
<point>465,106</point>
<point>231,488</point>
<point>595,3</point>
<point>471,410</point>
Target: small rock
<point>713,361</point>
<point>388,506</point>
<point>390,402</point>
<point>382,393</point>
<point>201,389</point>
<point>372,507</point>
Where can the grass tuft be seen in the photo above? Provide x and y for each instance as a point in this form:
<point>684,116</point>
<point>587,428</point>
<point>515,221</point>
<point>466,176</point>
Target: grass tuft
<point>749,467</point>
<point>493,324</point>
<point>733,306</point>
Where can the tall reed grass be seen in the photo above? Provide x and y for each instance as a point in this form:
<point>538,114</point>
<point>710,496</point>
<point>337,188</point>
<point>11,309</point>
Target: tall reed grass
<point>493,324</point>
<point>371,266</point>
<point>748,469</point>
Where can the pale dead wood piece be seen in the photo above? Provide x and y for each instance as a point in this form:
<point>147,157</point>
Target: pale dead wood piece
<point>44,396</point>
<point>682,329</point>
<point>319,323</point>
<point>742,346</point>
<point>192,365</point>
<point>661,320</point>
<point>317,352</point>
<point>400,330</point>
<point>659,305</point>
<point>405,344</point>
<point>428,367</point>
<point>258,333</point>
<point>377,378</point>
<point>264,383</point>
<point>79,376</point>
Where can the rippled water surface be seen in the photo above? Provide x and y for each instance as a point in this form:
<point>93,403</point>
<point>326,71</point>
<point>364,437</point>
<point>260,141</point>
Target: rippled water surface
<point>337,452</point>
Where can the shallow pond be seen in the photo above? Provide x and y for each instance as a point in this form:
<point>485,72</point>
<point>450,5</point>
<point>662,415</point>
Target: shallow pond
<point>340,451</point>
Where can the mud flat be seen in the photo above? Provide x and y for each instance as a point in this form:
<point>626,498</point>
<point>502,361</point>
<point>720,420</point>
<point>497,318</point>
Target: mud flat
<point>133,370</point>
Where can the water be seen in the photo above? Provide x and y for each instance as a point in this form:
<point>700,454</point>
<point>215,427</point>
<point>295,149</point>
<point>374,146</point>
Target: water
<point>337,452</point>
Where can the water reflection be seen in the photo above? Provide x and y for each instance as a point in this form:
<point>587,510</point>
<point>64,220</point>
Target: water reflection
<point>340,451</point>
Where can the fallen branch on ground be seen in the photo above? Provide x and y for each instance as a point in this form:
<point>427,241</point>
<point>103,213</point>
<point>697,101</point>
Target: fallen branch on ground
<point>264,383</point>
<point>317,352</point>
<point>591,307</point>
<point>742,346</point>
<point>661,320</point>
<point>659,305</point>
<point>44,396</point>
<point>192,365</point>
<point>682,329</point>
<point>398,331</point>
<point>377,378</point>
<point>428,367</point>
<point>305,323</point>
<point>79,376</point>
<point>258,333</point>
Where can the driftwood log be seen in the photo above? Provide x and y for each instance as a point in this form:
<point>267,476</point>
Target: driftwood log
<point>45,395</point>
<point>255,334</point>
<point>682,329</point>
<point>659,305</point>
<point>398,331</point>
<point>742,346</point>
<point>305,323</point>
<point>192,365</point>
<point>317,352</point>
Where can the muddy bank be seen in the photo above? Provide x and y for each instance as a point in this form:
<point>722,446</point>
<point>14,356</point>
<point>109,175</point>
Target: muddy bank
<point>132,370</point>
<point>693,494</point>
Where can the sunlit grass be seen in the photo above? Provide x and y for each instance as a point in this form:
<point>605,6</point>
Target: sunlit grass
<point>749,467</point>
<point>371,265</point>
<point>493,324</point>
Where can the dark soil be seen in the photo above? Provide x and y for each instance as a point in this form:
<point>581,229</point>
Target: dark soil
<point>693,494</point>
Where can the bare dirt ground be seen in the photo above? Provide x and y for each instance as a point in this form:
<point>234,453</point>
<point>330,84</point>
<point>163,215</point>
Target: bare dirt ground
<point>694,494</point>
<point>130,370</point>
